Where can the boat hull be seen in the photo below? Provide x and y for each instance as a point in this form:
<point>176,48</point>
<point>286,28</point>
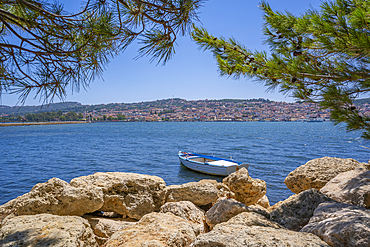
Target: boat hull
<point>209,168</point>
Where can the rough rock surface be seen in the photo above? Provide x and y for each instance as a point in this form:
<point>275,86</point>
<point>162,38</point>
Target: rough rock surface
<point>128,194</point>
<point>341,225</point>
<point>186,210</point>
<point>252,219</point>
<point>105,227</point>
<point>225,209</point>
<point>155,229</point>
<point>46,230</point>
<point>55,197</point>
<point>351,187</point>
<point>259,209</point>
<point>279,203</point>
<point>295,212</point>
<point>264,202</point>
<point>317,172</point>
<point>247,190</point>
<point>200,193</point>
<point>253,230</point>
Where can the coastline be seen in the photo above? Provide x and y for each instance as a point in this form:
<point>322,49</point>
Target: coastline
<point>131,121</point>
<point>41,123</point>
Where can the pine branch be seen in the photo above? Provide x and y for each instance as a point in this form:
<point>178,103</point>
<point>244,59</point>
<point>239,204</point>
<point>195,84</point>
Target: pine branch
<point>319,57</point>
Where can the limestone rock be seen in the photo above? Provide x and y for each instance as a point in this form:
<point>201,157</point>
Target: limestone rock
<point>225,209</point>
<point>341,225</point>
<point>200,193</point>
<point>186,210</point>
<point>105,227</point>
<point>317,172</point>
<point>252,219</point>
<point>238,233</point>
<point>127,194</point>
<point>247,190</point>
<point>295,212</point>
<point>279,203</point>
<point>155,229</point>
<point>351,187</point>
<point>264,202</point>
<point>46,230</point>
<point>259,209</point>
<point>55,197</point>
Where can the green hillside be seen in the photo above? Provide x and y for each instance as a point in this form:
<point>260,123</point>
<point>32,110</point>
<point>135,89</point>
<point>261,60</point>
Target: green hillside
<point>79,108</point>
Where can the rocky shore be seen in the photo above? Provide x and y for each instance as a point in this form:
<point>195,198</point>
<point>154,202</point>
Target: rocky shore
<point>330,207</point>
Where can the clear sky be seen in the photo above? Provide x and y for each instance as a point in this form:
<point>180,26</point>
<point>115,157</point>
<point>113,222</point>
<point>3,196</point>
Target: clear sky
<point>192,74</point>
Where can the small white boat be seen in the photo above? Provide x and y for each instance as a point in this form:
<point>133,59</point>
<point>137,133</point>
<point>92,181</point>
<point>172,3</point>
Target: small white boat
<point>209,164</point>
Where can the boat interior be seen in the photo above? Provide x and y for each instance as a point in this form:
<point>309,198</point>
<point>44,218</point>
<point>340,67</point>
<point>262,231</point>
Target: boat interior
<point>201,159</point>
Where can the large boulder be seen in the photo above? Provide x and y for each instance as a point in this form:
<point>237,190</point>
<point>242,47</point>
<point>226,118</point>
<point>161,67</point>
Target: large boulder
<point>317,172</point>
<point>46,230</point>
<point>296,211</point>
<point>128,194</point>
<point>341,225</point>
<point>55,197</point>
<point>225,209</point>
<point>279,203</point>
<point>351,187</point>
<point>202,193</point>
<point>104,227</point>
<point>247,190</point>
<point>155,229</point>
<point>186,210</point>
<point>254,230</point>
<point>252,219</point>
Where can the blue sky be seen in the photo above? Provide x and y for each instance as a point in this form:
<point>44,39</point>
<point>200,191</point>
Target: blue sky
<point>192,74</point>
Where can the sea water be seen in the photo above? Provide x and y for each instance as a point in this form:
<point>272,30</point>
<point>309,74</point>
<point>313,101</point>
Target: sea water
<point>34,154</point>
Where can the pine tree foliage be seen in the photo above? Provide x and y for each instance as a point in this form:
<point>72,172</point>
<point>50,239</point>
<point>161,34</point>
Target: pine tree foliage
<point>156,23</point>
<point>45,49</point>
<point>321,56</point>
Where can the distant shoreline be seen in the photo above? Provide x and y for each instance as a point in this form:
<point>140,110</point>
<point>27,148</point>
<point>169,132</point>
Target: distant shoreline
<point>41,123</point>
<point>81,122</point>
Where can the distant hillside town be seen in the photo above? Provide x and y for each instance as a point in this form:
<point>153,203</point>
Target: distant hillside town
<point>177,110</point>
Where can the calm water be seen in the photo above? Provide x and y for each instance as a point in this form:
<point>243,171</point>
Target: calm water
<point>34,154</point>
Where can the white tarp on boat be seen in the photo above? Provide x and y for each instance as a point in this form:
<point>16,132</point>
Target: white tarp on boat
<point>222,163</point>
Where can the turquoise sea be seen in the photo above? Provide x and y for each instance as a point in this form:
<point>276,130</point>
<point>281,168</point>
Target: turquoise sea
<point>34,154</point>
